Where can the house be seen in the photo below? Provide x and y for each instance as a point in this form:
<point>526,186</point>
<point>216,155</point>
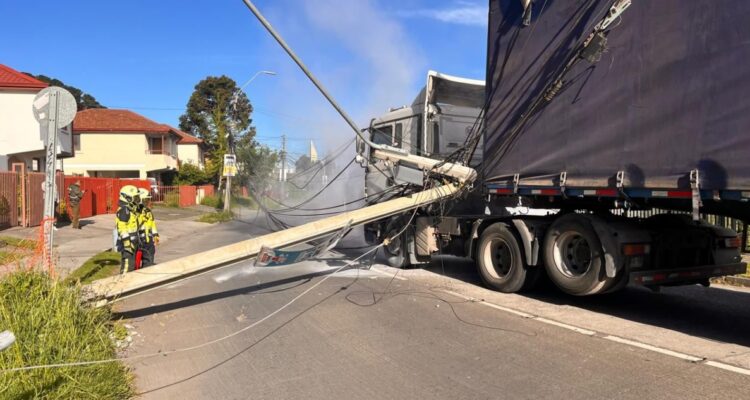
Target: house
<point>122,144</point>
<point>20,138</point>
<point>190,149</point>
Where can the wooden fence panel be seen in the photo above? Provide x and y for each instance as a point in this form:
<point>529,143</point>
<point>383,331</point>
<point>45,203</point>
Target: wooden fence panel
<point>8,199</point>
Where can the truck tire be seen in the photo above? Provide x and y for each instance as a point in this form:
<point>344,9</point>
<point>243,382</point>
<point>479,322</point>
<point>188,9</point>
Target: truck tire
<point>396,251</point>
<point>500,261</point>
<point>574,257</point>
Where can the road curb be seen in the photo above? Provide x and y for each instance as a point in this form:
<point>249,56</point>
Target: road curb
<point>734,281</point>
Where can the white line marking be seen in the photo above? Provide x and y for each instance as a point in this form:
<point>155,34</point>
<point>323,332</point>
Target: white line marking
<point>491,305</point>
<point>682,356</point>
<point>566,326</point>
<point>653,348</point>
<point>506,309</point>
<point>728,367</point>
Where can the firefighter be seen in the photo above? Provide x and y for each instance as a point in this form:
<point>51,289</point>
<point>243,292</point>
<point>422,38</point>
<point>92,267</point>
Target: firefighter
<point>149,236</point>
<point>75,194</point>
<point>126,221</point>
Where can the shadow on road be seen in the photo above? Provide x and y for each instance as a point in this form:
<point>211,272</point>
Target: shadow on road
<point>297,281</point>
<point>712,313</point>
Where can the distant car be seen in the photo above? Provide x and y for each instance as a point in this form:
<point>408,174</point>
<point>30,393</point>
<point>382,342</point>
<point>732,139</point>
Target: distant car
<point>154,186</point>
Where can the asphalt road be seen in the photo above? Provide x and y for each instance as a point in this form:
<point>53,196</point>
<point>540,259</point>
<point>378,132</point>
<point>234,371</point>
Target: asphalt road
<point>363,334</point>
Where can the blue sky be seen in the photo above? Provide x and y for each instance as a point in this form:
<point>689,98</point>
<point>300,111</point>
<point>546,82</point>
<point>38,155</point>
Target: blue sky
<point>148,55</point>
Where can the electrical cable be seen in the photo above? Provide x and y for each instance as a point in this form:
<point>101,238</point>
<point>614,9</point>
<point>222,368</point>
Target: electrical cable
<point>225,337</point>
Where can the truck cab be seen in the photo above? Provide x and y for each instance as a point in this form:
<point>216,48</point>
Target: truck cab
<point>436,124</point>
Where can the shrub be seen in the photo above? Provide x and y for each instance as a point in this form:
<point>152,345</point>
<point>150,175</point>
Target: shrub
<point>52,325</point>
<point>191,174</point>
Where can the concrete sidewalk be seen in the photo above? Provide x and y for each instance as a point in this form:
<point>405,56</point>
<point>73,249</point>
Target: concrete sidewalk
<point>74,246</point>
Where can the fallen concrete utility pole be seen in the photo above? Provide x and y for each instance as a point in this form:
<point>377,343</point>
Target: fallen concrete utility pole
<point>105,290</point>
<point>460,172</point>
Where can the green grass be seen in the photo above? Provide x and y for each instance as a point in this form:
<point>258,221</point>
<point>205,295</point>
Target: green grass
<point>244,202</point>
<point>172,200</point>
<point>102,265</point>
<point>52,325</point>
<point>7,257</point>
<point>27,244</point>
<point>214,201</point>
<point>214,217</point>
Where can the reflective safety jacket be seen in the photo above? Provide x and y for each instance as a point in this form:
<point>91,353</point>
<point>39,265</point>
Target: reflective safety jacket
<point>126,221</point>
<point>146,224</point>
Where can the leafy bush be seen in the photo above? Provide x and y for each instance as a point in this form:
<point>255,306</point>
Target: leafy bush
<point>191,174</point>
<point>214,201</point>
<point>52,325</point>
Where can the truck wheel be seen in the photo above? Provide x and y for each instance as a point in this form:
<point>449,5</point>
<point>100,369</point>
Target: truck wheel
<point>574,257</point>
<point>500,261</point>
<point>395,251</point>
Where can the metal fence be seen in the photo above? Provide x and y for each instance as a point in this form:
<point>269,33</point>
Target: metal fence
<point>22,196</point>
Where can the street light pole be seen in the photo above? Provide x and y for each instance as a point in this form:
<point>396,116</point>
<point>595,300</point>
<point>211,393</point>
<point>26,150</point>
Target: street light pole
<point>235,99</point>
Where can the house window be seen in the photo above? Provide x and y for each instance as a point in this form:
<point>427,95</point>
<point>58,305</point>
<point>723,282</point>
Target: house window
<point>77,142</point>
<point>156,145</point>
<point>36,164</point>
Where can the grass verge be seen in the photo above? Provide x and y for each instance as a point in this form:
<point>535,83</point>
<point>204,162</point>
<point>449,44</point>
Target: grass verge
<point>214,217</point>
<point>27,244</point>
<point>7,257</point>
<point>52,325</point>
<point>244,202</point>
<point>102,265</point>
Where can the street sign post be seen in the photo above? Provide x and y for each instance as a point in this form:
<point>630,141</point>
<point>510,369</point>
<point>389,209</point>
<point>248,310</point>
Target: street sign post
<point>230,170</point>
<point>53,107</point>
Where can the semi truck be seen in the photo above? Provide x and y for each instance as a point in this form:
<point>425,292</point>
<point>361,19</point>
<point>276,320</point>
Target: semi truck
<point>591,110</point>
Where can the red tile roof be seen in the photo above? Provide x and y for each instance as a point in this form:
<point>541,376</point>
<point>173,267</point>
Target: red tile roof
<point>186,138</point>
<point>10,78</point>
<point>109,120</point>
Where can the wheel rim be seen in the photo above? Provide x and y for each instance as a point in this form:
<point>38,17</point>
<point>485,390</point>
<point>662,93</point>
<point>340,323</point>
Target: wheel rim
<point>499,258</point>
<point>572,255</point>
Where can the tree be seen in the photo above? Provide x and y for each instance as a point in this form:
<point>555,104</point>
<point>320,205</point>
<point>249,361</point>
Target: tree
<point>218,113</point>
<point>83,100</point>
<point>255,163</point>
<point>302,163</point>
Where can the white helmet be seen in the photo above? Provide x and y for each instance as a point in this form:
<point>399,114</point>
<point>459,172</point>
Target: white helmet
<point>144,193</point>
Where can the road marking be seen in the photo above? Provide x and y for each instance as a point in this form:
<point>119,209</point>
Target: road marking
<point>728,367</point>
<point>491,305</point>
<point>617,339</point>
<point>566,326</point>
<point>653,348</point>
